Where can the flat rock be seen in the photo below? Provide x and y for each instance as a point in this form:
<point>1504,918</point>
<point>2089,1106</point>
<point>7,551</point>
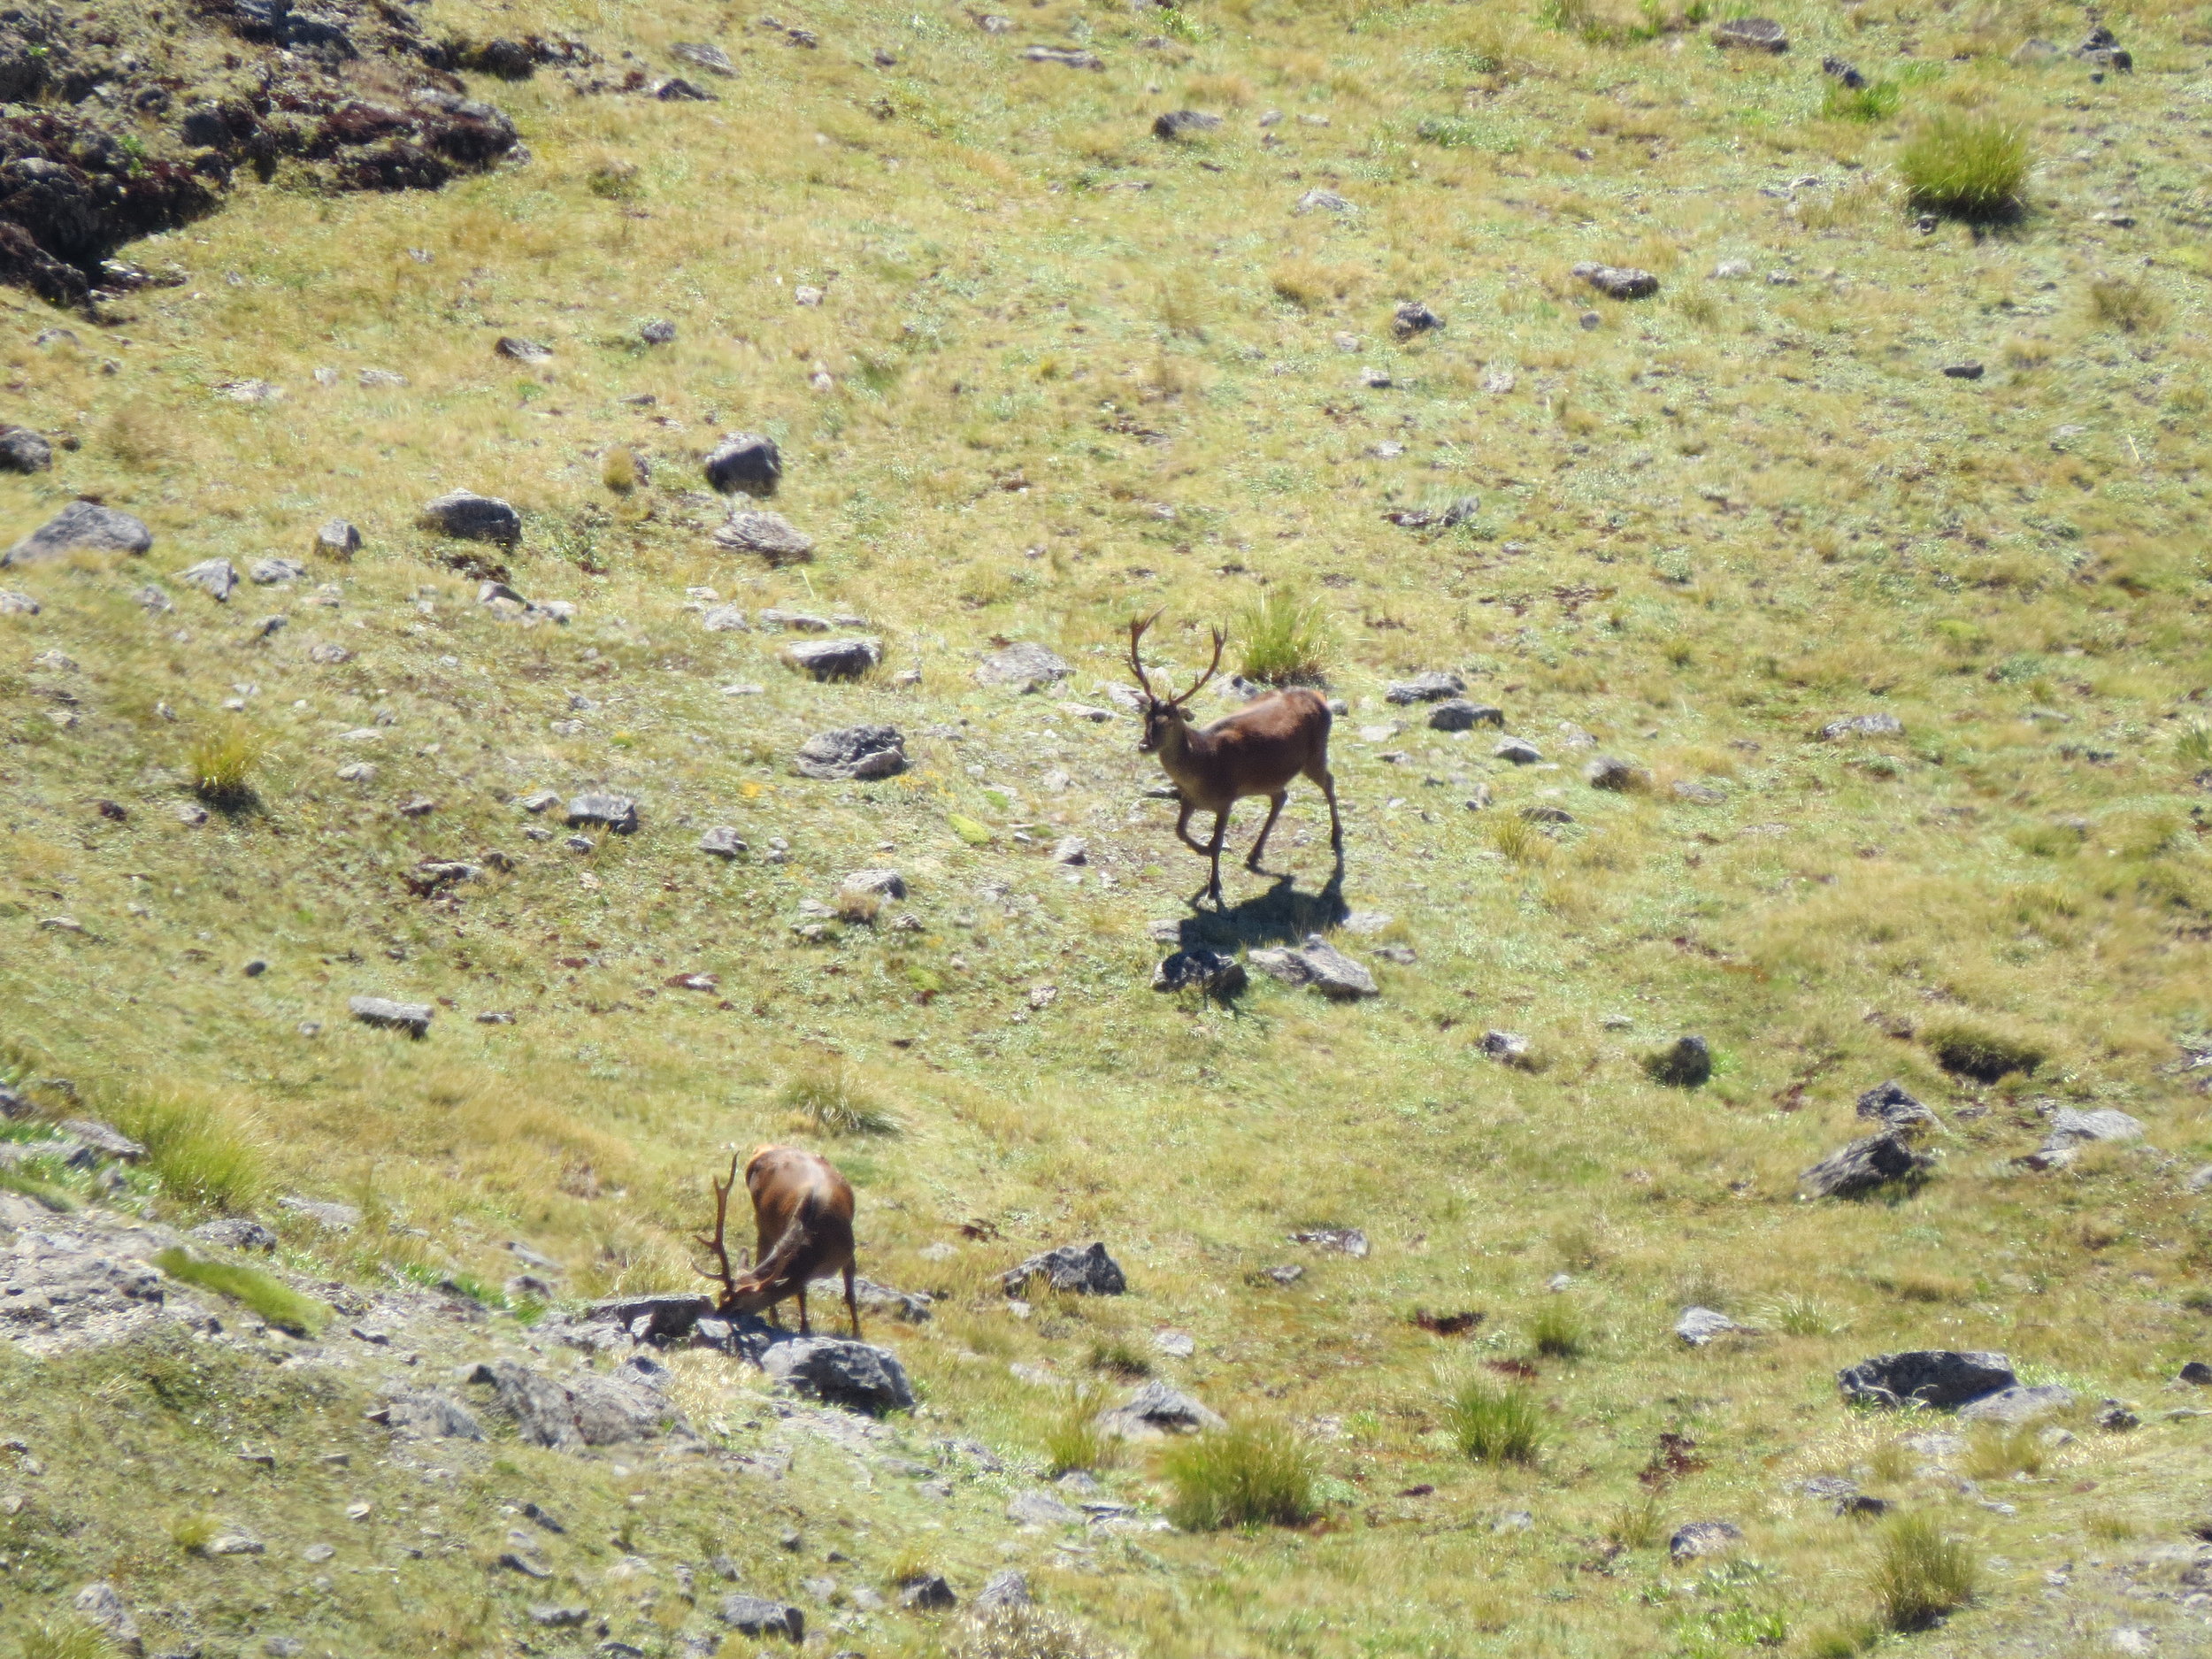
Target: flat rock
<point>852,751</point>
<point>1756,35</point>
<point>840,1372</point>
<point>234,1233</point>
<point>1888,1103</point>
<point>1619,282</point>
<point>469,517</point>
<point>745,462</point>
<point>835,659</point>
<point>217,579</point>
<point>520,350</point>
<point>757,1616</point>
<point>1079,1269</point>
<point>725,619</point>
<point>770,534</point>
<point>425,1415</point>
<point>104,1139</point>
<point>1199,969</point>
<point>1697,1326</point>
<point>1008,1586</point>
<point>1155,1412</point>
<point>1024,667</point>
<point>385,1014</point>
<point>1517,751</point>
<point>1184,124</point>
<point>655,1316</point>
<point>1344,1240</point>
<point>1704,1538</point>
<point>1066,57</point>
<point>1457,714</point>
<point>2018,1404</point>
<point>1433,687</point>
<point>1864,1166</point>
<point>2070,1130</point>
<point>581,1408</point>
<point>16,604</point>
<point>1941,1378</point>
<point>81,524</point>
<point>275,572</point>
<point>1413,318</point>
<point>1610,772</point>
<point>1319,964</point>
<point>1321,202</point>
<point>723,841</point>
<point>326,1214</point>
<point>702,55</point>
<point>615,813</point>
<point>1879,724</point>
<point>337,539</point>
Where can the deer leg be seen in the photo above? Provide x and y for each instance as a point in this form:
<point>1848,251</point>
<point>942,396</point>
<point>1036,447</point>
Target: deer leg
<point>1221,833</point>
<point>852,1306</point>
<point>1328,780</point>
<point>1274,809</point>
<point>804,1328</point>
<point>1182,828</point>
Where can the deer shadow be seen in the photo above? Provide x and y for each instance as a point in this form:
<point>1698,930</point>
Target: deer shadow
<point>1280,916</point>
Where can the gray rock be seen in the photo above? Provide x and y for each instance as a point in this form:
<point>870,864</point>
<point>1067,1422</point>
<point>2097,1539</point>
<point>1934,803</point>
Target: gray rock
<point>1078,1270</point>
<point>1889,1104</point>
<point>1434,687</point>
<point>796,621</point>
<point>725,619</point>
<point>1008,1586</point>
<point>1066,57</point>
<point>769,534</point>
<point>385,1014</point>
<point>1610,772</point>
<point>1836,69</point>
<point>1041,1508</point>
<point>337,539</point>
<point>1023,667</point>
<point>1070,850</point>
<point>23,450</point>
<point>1155,1412</point>
<point>1199,969</point>
<point>1962,371</point>
<point>908,1307</point>
<point>1704,1538</point>
<point>1508,1046</point>
<point>1756,35</point>
<point>1174,1344</point>
<point>1879,724</point>
<point>747,462</point>
<point>273,572</point>
<point>81,524</point>
<point>16,604</point>
<point>852,751</point>
<point>103,1140</point>
<point>1459,715</point>
<point>657,1317</point>
<point>2018,1404</point>
<point>929,1593</point>
<point>102,1605</point>
<point>582,1408</point>
<point>1519,750</point>
<point>835,659</point>
<point>1688,1063</point>
<point>1344,1240</point>
<point>234,1544</point>
<point>234,1233</point>
<point>1412,318</point>
<point>1941,1378</point>
<point>702,55</point>
<point>838,1371</point>
<point>217,579</point>
<point>1180,124</point>
<point>885,884</point>
<point>1619,282</point>
<point>723,841</point>
<point>469,517</point>
<point>1697,1326</point>
<point>423,1416</point>
<point>616,813</point>
<point>1319,964</point>
<point>756,1616</point>
<point>552,1616</point>
<point>1703,793</point>
<point>659,330</point>
<point>1321,201</point>
<point>521,350</point>
<point>329,1216</point>
<point>1863,1165</point>
<point>2071,1130</point>
<point>2196,1373</point>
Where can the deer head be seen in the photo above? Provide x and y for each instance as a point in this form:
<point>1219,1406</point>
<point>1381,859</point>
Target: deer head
<point>1162,715</point>
<point>715,1246</point>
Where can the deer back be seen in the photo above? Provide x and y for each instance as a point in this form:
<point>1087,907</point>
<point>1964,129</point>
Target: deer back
<point>802,1214</point>
<point>1261,747</point>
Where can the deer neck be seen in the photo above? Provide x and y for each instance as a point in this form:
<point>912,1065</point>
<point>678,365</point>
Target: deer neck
<point>1183,752</point>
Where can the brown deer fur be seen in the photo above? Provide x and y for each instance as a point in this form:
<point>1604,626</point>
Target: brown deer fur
<point>1259,750</point>
<point>803,1215</point>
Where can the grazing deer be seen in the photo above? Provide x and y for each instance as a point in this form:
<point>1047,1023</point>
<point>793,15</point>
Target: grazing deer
<point>1257,751</point>
<point>802,1212</point>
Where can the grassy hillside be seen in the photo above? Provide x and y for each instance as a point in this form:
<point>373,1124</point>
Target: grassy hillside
<point>1034,371</point>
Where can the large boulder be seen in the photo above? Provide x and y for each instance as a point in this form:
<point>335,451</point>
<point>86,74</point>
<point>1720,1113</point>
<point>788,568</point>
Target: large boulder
<point>23,450</point>
<point>1024,667</point>
<point>469,517</point>
<point>745,461</point>
<point>1619,282</point>
<point>1941,1378</point>
<point>81,526</point>
<point>840,1372</point>
<point>2016,1406</point>
<point>615,813</point>
<point>852,751</point>
<point>425,1415</point>
<point>385,1014</point>
<point>757,1616</point>
<point>1156,1411</point>
<point>1864,1166</point>
<point>1078,1270</point>
<point>1319,964</point>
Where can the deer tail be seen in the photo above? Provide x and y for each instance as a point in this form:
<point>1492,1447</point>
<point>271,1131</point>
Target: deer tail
<point>779,1261</point>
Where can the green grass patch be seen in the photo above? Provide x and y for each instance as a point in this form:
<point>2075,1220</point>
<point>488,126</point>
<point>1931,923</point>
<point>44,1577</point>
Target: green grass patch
<point>1493,1424</point>
<point>1284,641</point>
<point>1557,1331</point>
<point>1970,166</point>
<point>1920,1574</point>
<point>275,1302</point>
<point>65,1639</point>
<point>55,1198</point>
<point>1876,101</point>
<point>1251,1475</point>
<point>198,1154</point>
<point>971,831</point>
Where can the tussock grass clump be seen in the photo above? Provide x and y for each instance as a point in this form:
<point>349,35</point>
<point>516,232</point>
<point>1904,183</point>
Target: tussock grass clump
<point>193,1533</point>
<point>1119,1357</point>
<point>1557,1331</point>
<point>1521,841</point>
<point>65,1639</point>
<point>274,1300</point>
<point>1639,1525</point>
<point>1981,1052</point>
<point>856,908</point>
<point>220,763</point>
<point>2128,306</point>
<point>1307,283</point>
<point>618,470</point>
<point>1074,1439</point>
<point>2193,746</point>
<point>1026,1633</point>
<point>199,1156</point>
<point>835,1102</point>
<point>1970,166</point>
<point>1996,1451</point>
<point>1920,1574</point>
<point>1285,639</point>
<point>1495,1425</point>
<point>1251,1475</point>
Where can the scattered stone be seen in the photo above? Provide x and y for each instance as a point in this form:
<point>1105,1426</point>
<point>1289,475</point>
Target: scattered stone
<point>795,621</point>
<point>723,841</point>
<point>1863,1165</point>
<point>1876,725</point>
<point>554,1617</point>
<point>23,450</point>
<point>191,813</point>
<point>329,1216</point>
<point>1285,1276</point>
<point>1704,1538</point>
<point>1519,750</point>
<point>1509,1047</point>
<point>1155,1412</point>
<point>422,1415</point>
<point>234,1233</point>
<point>615,813</point>
<point>15,605</point>
<point>2197,1373</point>
<point>852,751</point>
<point>929,1593</point>
<point>1344,1240</point>
<point>1076,1269</point>
<point>2101,50</point>
<point>745,461</point>
<point>1940,1377</point>
<point>217,579</point>
<point>81,524</point>
<point>2018,1404</point>
<point>103,1605</point>
<point>1066,57</point>
<point>1006,1587</point>
<point>702,55</point>
<point>1202,970</point>
<point>1697,1326</point>
<point>1756,35</point>
<point>770,534</point>
<point>1619,282</point>
<point>104,1139</point>
<point>1460,715</point>
<point>1413,318</point>
<point>1185,123</point>
<point>1434,686</point>
<point>835,659</point>
<point>387,1014</point>
<point>756,1616</point>
<point>2115,1419</point>
<point>1321,201</point>
<point>659,330</point>
<point>1688,1063</point>
<point>1962,371</point>
<point>275,572</point>
<point>1023,667</point>
<point>2071,1130</point>
<point>233,1544</point>
<point>1070,850</point>
<point>1039,1509</point>
<point>1319,964</point>
<point>1888,1103</point>
<point>521,350</point>
<point>582,1408</point>
<point>838,1371</point>
<point>1611,773</point>
<point>725,619</point>
<point>885,884</point>
<point>1174,1344</point>
<point>469,517</point>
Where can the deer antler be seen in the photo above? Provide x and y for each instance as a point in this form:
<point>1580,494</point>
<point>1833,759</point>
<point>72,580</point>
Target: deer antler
<point>721,1271</point>
<point>1137,625</point>
<point>1220,639</point>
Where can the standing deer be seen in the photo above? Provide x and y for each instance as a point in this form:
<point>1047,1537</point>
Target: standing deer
<point>802,1214</point>
<point>1257,751</point>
